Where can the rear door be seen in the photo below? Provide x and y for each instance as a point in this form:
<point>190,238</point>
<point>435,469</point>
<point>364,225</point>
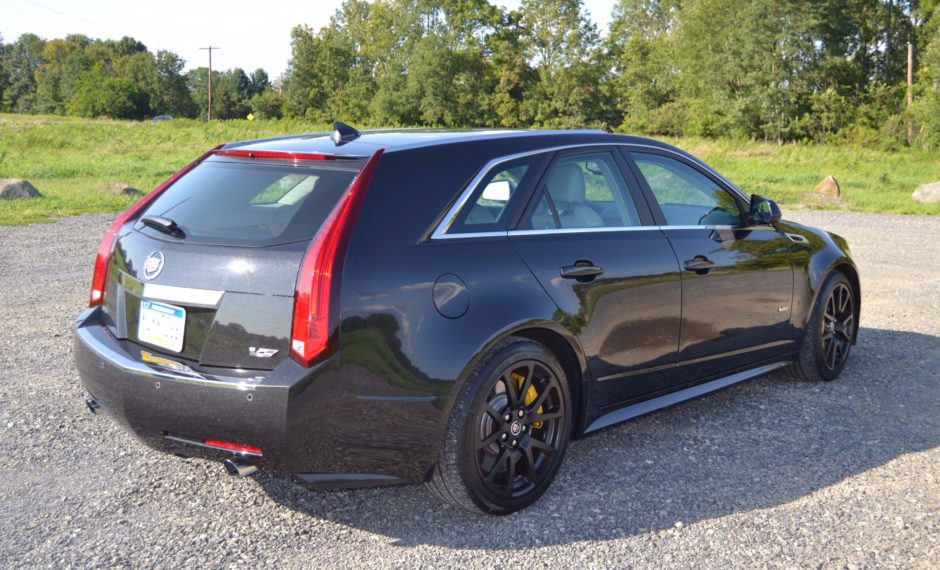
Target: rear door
<point>591,242</point>
<point>220,294</point>
<point>737,278</point>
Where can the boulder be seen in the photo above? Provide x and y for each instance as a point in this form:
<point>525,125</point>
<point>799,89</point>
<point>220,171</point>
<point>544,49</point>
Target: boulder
<point>829,186</point>
<point>123,189</point>
<point>17,189</point>
<point>927,193</point>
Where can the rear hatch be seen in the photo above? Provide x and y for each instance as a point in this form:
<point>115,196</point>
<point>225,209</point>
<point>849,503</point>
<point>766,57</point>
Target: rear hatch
<point>217,290</point>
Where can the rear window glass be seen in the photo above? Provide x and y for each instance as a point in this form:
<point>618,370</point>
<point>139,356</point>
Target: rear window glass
<point>232,203</point>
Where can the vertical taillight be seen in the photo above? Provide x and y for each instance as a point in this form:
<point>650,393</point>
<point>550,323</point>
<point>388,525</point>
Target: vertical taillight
<point>106,246</point>
<point>317,291</point>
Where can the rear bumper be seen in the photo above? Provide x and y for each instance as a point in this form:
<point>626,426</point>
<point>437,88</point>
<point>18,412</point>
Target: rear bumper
<point>300,418</point>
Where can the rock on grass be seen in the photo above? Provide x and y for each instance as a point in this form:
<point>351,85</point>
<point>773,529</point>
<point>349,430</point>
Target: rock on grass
<point>17,189</point>
<point>927,193</point>
<point>123,189</point>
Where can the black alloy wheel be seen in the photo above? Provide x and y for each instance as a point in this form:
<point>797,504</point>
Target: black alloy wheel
<point>830,333</point>
<point>508,431</point>
<point>520,427</point>
<point>838,327</point>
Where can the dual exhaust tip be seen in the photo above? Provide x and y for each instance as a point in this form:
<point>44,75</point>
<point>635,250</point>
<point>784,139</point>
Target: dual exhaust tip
<point>238,467</point>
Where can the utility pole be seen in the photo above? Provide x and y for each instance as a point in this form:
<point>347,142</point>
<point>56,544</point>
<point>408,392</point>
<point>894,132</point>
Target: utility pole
<point>210,48</point>
<point>910,89</point>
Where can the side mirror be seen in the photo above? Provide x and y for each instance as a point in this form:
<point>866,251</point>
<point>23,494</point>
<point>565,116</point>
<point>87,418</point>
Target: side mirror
<point>764,211</point>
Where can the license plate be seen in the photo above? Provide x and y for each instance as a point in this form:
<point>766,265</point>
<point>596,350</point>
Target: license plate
<point>161,325</point>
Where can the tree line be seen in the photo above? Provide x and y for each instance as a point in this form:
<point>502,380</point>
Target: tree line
<point>122,79</point>
<point>777,70</point>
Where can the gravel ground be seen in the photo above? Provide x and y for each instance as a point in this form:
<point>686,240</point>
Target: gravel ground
<point>774,472</point>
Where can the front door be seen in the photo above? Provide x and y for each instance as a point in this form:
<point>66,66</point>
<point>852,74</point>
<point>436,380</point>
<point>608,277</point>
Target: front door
<point>608,268</point>
<point>737,278</point>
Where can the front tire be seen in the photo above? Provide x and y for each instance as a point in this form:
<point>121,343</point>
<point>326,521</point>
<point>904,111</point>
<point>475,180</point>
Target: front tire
<point>830,332</point>
<point>508,431</point>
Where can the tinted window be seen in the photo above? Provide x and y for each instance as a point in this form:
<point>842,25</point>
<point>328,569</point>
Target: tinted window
<point>686,196</point>
<point>487,208</point>
<point>252,204</point>
<point>583,191</point>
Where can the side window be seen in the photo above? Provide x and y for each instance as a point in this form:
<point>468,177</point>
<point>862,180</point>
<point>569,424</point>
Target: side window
<point>583,191</point>
<point>686,196</point>
<point>486,209</point>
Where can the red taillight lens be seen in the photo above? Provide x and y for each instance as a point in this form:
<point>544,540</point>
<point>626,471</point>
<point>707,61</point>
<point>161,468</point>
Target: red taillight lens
<point>315,296</point>
<point>99,278</point>
<point>238,447</point>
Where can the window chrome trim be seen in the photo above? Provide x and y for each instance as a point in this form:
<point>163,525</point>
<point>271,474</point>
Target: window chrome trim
<point>470,235</point>
<point>604,229</point>
<point>595,230</point>
<point>440,231</point>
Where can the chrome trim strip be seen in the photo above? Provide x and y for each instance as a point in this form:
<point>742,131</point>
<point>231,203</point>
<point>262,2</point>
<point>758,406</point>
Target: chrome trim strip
<point>440,231</point>
<point>704,227</point>
<point>205,298</point>
<point>471,235</point>
<point>797,238</point>
<point>605,229</point>
<point>643,408</point>
<point>550,231</point>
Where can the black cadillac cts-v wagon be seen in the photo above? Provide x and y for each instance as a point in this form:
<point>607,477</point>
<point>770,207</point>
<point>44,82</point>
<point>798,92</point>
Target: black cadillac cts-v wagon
<point>445,307</point>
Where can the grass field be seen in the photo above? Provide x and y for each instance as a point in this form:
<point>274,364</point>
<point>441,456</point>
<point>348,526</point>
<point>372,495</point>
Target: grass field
<point>71,161</point>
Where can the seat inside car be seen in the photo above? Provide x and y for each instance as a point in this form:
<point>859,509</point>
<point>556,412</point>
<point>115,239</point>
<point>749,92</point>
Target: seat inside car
<point>566,186</point>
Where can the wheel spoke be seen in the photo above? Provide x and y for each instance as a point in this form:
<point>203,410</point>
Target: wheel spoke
<point>543,447</point>
<point>843,299</point>
<point>848,326</point>
<point>493,412</point>
<point>826,335</point>
<point>500,459</point>
<point>545,417</point>
<point>541,399</point>
<point>490,439</point>
<point>831,354</point>
<point>529,375</point>
<point>511,477</point>
<point>532,476</point>
<point>511,393</point>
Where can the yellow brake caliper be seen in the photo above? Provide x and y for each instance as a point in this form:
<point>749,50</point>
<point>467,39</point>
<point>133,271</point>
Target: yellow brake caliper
<point>530,395</point>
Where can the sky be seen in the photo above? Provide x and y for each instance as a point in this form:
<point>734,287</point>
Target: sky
<point>250,34</point>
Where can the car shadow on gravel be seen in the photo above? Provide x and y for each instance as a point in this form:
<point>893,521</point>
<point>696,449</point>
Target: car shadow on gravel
<point>761,444</point>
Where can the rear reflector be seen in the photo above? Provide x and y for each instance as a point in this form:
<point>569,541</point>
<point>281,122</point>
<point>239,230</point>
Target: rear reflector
<point>290,155</point>
<point>317,291</point>
<point>99,278</point>
<point>230,446</point>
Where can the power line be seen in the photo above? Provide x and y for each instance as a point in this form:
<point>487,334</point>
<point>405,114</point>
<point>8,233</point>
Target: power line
<point>27,13</point>
<point>37,4</point>
<point>210,48</point>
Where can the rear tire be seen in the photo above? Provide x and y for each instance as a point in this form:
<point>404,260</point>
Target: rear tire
<point>830,332</point>
<point>508,431</point>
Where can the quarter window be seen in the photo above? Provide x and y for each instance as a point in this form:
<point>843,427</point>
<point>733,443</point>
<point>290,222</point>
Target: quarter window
<point>583,191</point>
<point>686,196</point>
<point>488,206</point>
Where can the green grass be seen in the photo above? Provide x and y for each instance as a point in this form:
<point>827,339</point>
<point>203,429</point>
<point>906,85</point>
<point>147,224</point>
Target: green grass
<point>871,180</point>
<point>71,161</point>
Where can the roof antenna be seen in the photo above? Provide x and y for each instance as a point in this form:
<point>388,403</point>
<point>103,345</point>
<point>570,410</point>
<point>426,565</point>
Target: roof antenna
<point>343,133</point>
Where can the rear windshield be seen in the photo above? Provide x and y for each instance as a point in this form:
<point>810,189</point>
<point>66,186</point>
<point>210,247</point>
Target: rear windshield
<point>238,203</point>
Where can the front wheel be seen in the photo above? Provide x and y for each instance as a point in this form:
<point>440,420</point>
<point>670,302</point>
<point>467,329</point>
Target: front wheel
<point>830,332</point>
<point>508,431</point>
